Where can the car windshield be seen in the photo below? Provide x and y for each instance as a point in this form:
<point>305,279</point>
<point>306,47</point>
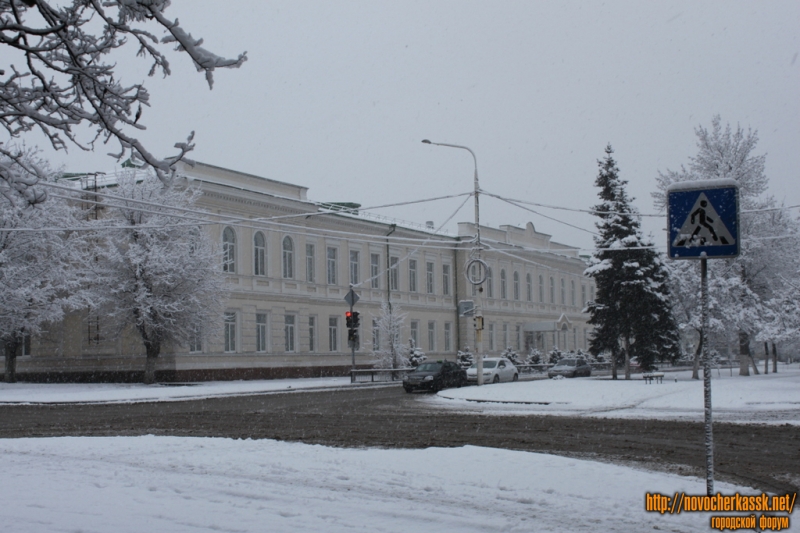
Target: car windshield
<point>567,362</point>
<point>429,367</point>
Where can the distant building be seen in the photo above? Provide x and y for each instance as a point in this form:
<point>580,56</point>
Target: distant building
<point>290,262</point>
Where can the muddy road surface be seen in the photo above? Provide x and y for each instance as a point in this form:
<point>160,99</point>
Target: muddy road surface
<point>760,456</point>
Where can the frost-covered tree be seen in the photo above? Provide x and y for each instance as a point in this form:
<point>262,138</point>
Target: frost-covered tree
<point>466,358</point>
<point>390,352</point>
<point>43,269</point>
<point>534,357</point>
<point>59,76</point>
<point>415,355</point>
<point>745,292</point>
<point>632,313</point>
<point>511,355</point>
<point>163,273</point>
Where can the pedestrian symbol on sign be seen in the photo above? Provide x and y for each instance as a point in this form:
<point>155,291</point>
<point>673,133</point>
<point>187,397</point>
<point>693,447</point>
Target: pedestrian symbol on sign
<point>703,227</point>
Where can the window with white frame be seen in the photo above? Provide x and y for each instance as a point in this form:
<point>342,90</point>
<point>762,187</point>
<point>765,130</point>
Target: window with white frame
<point>505,337</point>
<point>541,288</point>
<point>230,332</point>
<point>563,292</point>
<point>394,273</point>
<point>503,284</point>
<point>259,254</point>
<point>288,333</point>
<point>331,265</point>
<point>312,334</point>
<point>310,263</point>
<point>448,336</point>
<point>415,332</point>
<point>354,274</point>
<point>412,275</point>
<point>528,287</point>
<point>552,290</point>
<point>446,280</point>
<point>518,335</point>
<point>583,296</point>
<point>491,337</point>
<point>196,339</point>
<point>261,332</point>
<point>333,333</point>
<point>288,258</point>
<point>26,344</point>
<point>429,277</point>
<point>516,285</point>
<point>229,250</point>
<point>431,336</point>
<point>572,291</point>
<point>375,270</point>
<point>376,336</point>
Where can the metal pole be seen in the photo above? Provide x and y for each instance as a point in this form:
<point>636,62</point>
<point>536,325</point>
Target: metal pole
<point>477,249</point>
<point>709,435</point>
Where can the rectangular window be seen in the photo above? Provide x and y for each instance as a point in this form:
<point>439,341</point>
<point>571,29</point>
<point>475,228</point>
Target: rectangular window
<point>354,267</point>
<point>394,274</point>
<point>541,288</point>
<point>376,336</point>
<point>310,263</point>
<point>529,287</point>
<point>519,337</point>
<point>491,337</point>
<point>412,275</point>
<point>312,333</point>
<point>431,336</point>
<point>196,339</point>
<point>415,332</point>
<point>448,336</point>
<point>230,332</point>
<point>374,270</point>
<point>333,333</point>
<point>331,266</point>
<point>26,344</point>
<point>429,277</point>
<point>583,295</point>
<point>93,328</point>
<point>446,280</point>
<point>261,332</point>
<point>505,337</point>
<point>288,333</point>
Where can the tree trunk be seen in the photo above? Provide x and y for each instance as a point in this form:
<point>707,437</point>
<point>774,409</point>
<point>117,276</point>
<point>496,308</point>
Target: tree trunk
<point>697,352</point>
<point>766,358</point>
<point>744,353</point>
<point>613,364</point>
<point>774,359</point>
<point>627,358</point>
<point>11,361</point>
<point>152,349</point>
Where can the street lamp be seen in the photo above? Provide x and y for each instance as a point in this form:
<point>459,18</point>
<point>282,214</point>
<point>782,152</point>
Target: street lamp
<point>476,254</point>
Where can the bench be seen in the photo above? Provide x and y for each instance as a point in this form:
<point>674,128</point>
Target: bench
<point>649,377</point>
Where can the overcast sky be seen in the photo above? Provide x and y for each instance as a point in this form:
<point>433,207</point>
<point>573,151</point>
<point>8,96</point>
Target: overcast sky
<point>337,95</point>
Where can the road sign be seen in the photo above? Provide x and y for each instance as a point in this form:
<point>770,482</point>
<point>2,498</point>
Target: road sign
<point>703,219</point>
<point>351,298</point>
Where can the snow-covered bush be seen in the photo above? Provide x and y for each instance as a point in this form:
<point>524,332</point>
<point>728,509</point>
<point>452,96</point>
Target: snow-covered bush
<point>512,356</point>
<point>415,355</point>
<point>534,357</point>
<point>554,356</point>
<point>465,358</point>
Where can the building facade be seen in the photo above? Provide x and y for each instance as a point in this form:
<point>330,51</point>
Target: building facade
<point>289,263</point>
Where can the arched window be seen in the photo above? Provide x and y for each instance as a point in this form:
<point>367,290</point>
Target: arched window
<point>552,290</point>
<point>529,287</point>
<point>516,285</point>
<point>228,250</point>
<point>288,258</point>
<point>259,254</point>
<point>503,288</point>
<point>541,288</point>
<point>489,283</point>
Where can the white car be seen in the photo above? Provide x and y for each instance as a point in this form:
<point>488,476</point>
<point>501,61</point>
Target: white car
<point>495,370</point>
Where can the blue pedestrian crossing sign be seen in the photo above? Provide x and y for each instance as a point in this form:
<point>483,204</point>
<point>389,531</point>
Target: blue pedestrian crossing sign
<point>703,219</point>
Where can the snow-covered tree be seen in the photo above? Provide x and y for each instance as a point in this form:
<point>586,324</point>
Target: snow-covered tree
<point>745,293</point>
<point>511,355</point>
<point>534,357</point>
<point>466,358</point>
<point>632,313</point>
<point>390,352</point>
<point>554,356</point>
<point>42,269</point>
<point>64,76</point>
<point>415,355</point>
<point>163,273</point>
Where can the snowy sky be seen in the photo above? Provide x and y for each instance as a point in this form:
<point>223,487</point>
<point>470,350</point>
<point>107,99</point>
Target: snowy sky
<point>337,96</point>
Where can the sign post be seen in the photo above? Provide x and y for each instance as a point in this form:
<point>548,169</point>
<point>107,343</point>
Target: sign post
<point>703,223</point>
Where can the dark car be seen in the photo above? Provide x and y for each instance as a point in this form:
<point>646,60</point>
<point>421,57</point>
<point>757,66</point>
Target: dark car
<point>570,368</point>
<point>435,376</point>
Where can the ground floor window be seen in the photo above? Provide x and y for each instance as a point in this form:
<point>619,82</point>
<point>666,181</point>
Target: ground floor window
<point>230,332</point>
<point>333,333</point>
<point>288,331</point>
<point>261,332</point>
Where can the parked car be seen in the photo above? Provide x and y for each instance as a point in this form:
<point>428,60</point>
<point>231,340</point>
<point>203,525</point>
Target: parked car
<point>570,368</point>
<point>495,370</point>
<point>435,376</point>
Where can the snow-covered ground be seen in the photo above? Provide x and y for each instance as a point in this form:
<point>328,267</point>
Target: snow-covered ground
<point>181,484</point>
<point>772,398</point>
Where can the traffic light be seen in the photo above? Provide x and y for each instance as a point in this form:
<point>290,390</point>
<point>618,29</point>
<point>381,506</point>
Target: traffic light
<point>349,319</point>
<point>355,319</point>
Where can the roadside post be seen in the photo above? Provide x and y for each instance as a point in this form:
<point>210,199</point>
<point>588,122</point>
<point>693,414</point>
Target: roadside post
<point>703,223</point>
<point>352,323</point>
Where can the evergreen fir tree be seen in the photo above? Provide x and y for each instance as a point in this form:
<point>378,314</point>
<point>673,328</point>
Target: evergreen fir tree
<point>632,313</point>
